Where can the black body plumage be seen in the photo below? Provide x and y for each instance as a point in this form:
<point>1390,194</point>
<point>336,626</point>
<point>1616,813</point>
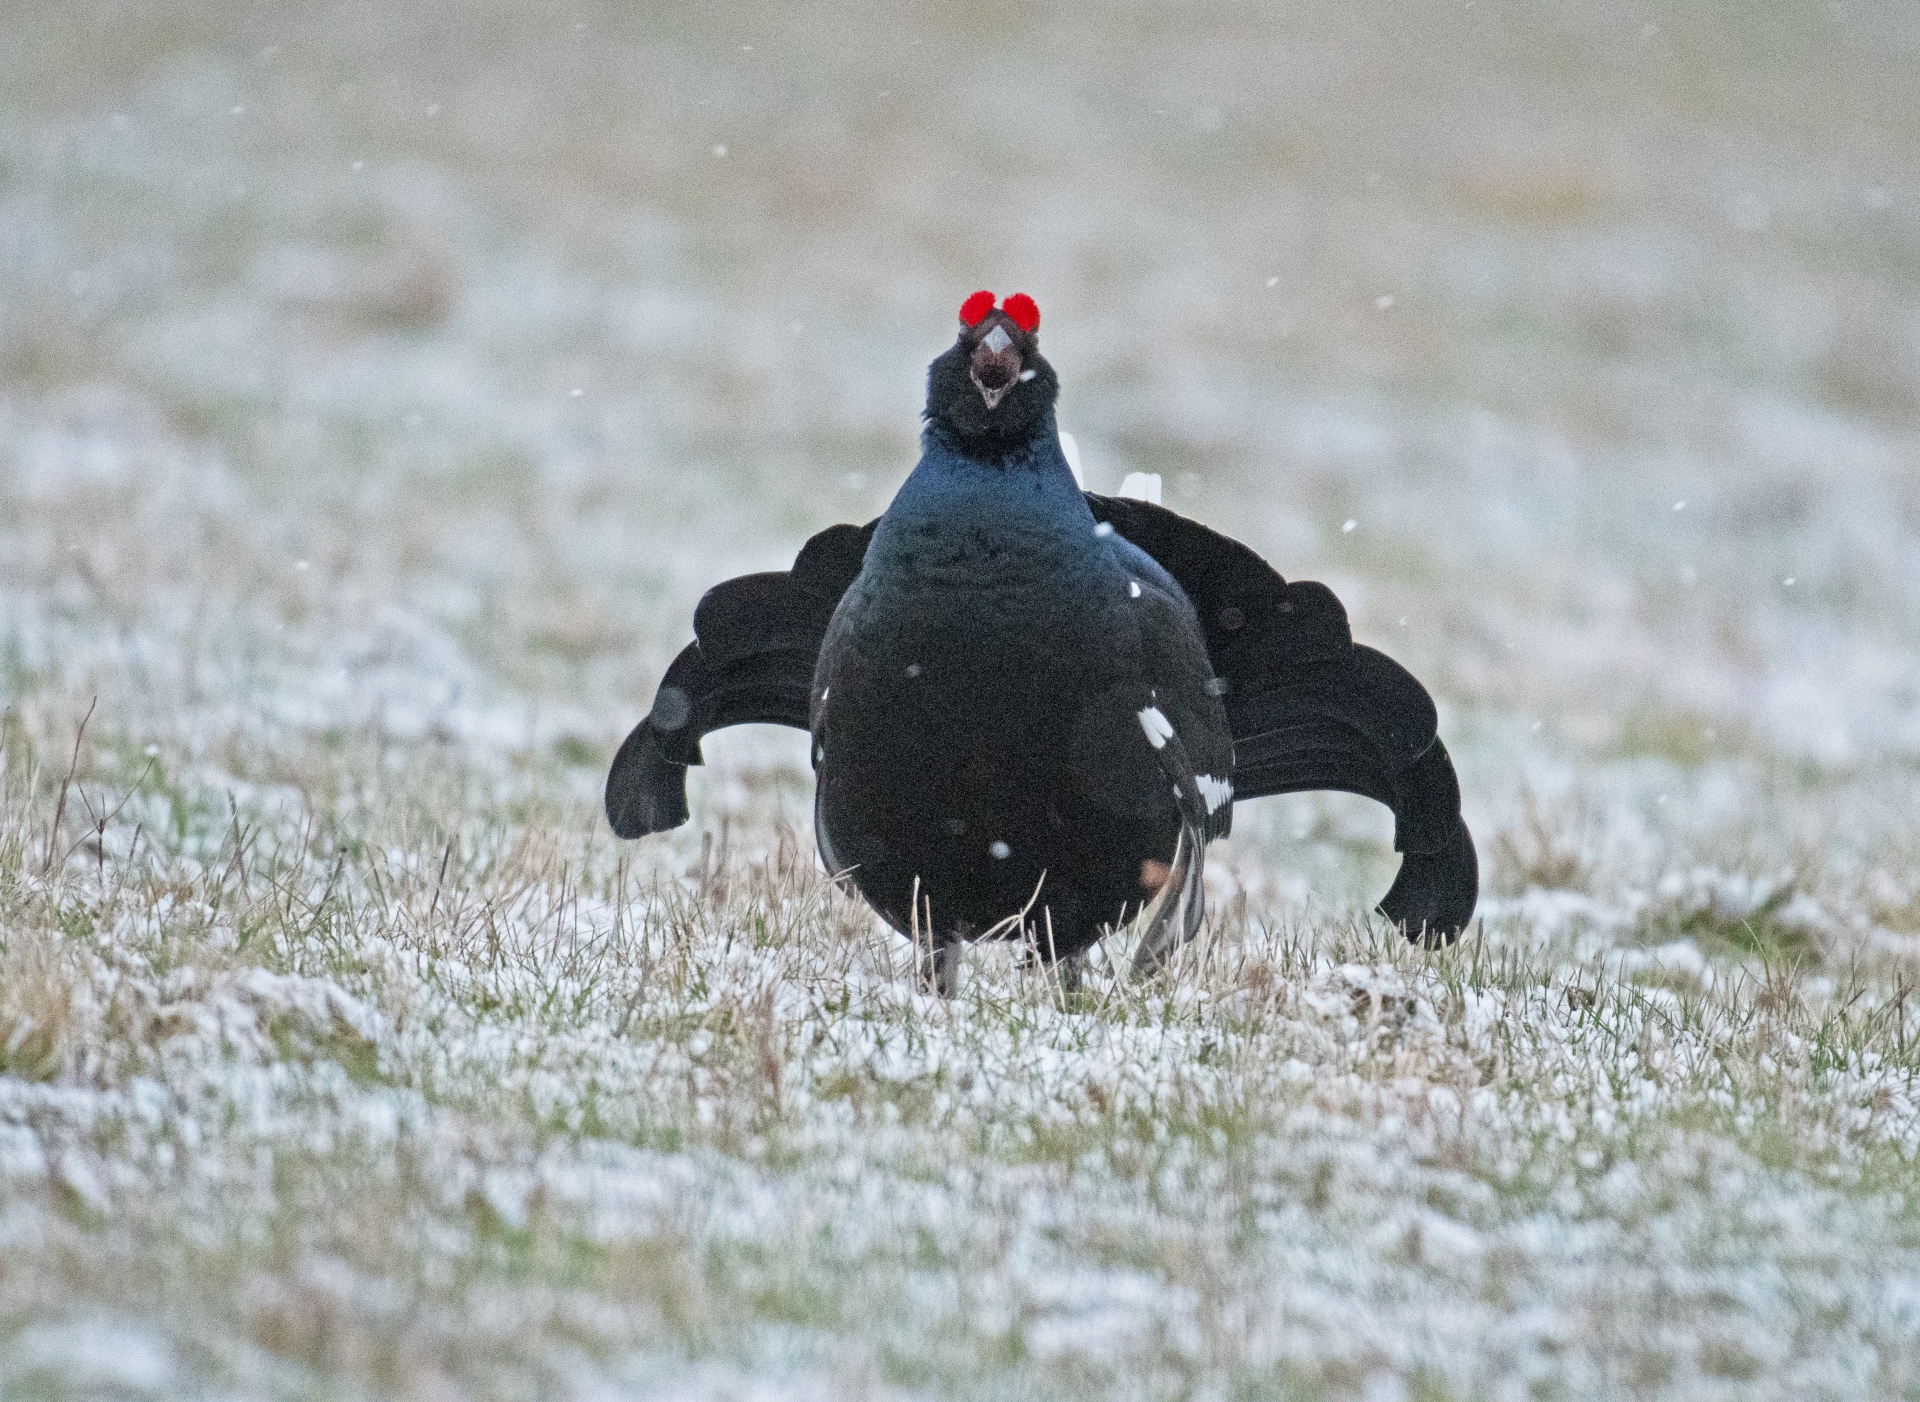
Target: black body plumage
<point>1032,706</point>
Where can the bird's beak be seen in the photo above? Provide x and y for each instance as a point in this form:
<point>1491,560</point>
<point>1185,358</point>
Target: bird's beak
<point>996,366</point>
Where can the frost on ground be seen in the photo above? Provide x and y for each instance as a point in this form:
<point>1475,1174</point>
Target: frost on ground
<point>361,1099</point>
<point>380,387</point>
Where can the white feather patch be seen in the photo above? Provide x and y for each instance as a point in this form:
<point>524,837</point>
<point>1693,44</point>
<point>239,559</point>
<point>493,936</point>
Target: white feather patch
<point>1070,450</point>
<point>1217,792</point>
<point>1159,729</point>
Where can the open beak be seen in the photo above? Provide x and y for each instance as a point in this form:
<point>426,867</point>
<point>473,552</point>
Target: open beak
<point>995,368</point>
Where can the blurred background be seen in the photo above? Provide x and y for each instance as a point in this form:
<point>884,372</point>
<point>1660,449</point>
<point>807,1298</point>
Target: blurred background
<point>412,368</point>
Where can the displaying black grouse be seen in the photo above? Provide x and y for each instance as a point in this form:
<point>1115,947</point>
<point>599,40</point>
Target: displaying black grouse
<point>1032,706</point>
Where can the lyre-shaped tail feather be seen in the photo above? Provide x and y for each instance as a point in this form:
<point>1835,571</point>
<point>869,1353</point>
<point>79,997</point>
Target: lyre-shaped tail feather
<point>756,640</point>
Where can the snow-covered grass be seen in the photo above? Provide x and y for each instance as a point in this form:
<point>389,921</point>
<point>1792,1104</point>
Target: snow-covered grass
<point>380,385</point>
<point>415,1089</point>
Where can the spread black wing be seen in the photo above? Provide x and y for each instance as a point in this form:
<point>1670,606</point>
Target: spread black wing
<point>756,639</point>
<point>1309,707</point>
<point>1312,709</point>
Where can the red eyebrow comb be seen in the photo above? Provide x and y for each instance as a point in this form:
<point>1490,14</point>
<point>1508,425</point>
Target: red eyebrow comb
<point>1025,314</point>
<point>974,310</point>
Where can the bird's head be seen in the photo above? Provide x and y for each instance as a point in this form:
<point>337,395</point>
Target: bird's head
<point>993,388</point>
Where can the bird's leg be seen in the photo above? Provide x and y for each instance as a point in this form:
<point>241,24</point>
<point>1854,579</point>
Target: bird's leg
<point>937,967</point>
<point>936,960</point>
<point>1042,954</point>
<point>1066,972</point>
<point>1173,916</point>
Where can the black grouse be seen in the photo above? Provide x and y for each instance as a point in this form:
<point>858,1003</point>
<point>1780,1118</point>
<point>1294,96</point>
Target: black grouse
<point>1032,706</point>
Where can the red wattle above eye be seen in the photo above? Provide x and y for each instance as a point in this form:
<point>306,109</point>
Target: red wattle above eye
<point>1023,311</point>
<point>974,310</point>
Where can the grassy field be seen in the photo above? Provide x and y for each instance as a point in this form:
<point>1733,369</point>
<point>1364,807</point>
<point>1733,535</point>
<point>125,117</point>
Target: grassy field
<point>380,386</point>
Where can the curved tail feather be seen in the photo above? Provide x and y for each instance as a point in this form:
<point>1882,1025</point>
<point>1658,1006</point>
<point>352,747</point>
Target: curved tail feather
<point>756,639</point>
<point>1433,897</point>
